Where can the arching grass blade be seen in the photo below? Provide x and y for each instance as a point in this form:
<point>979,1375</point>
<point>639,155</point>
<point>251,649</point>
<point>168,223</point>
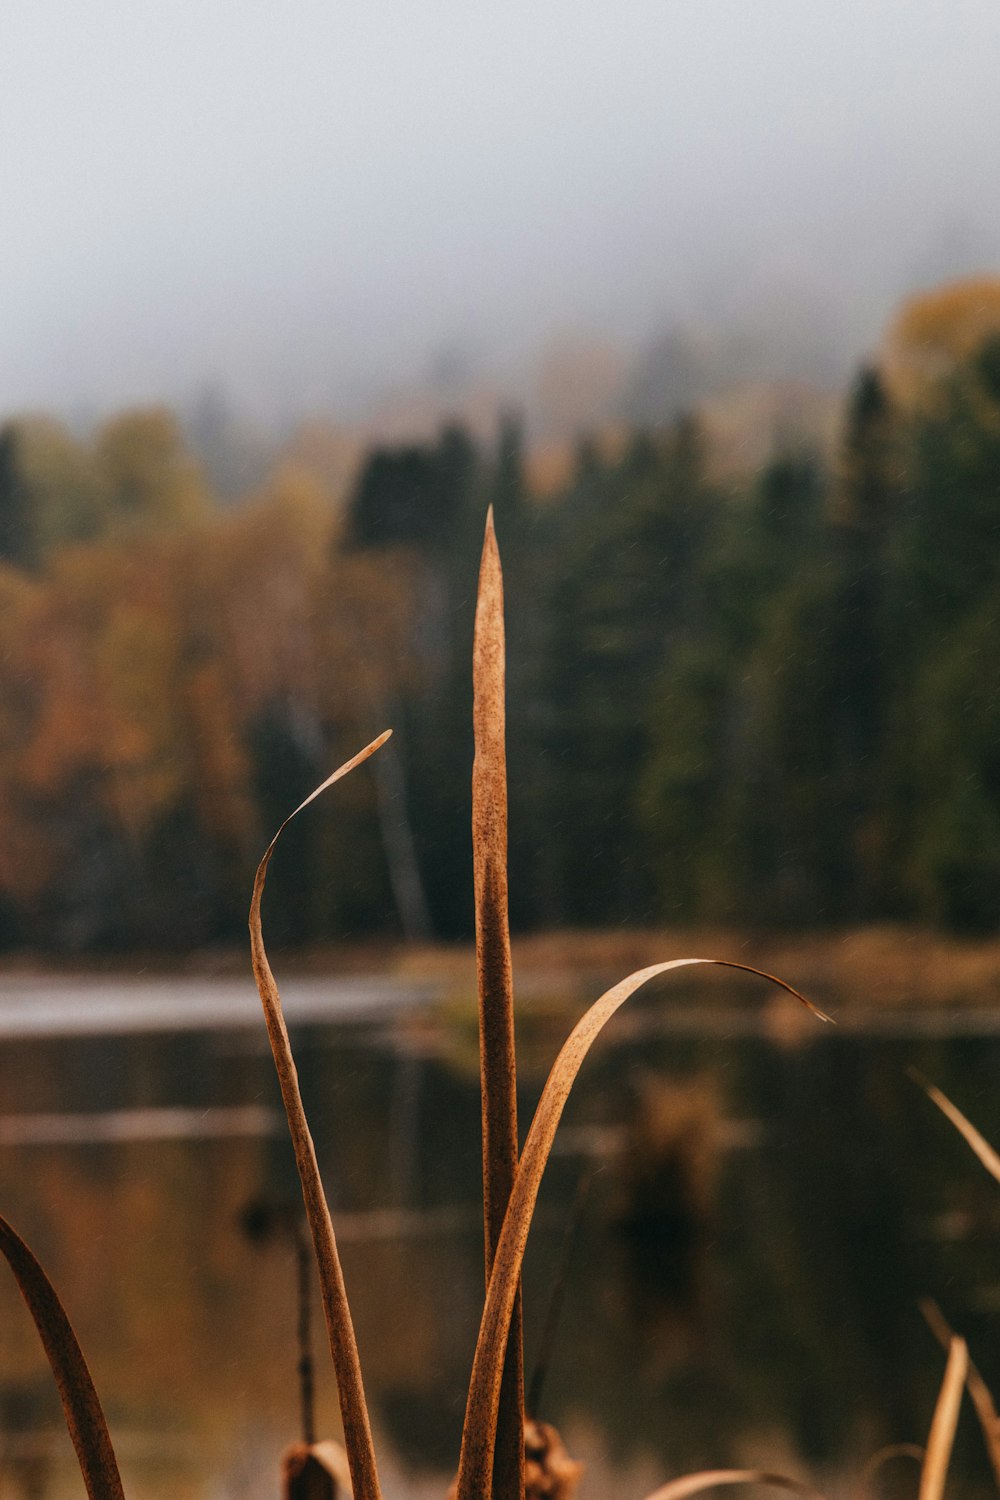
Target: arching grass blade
<point>81,1406</point>
<point>340,1327</point>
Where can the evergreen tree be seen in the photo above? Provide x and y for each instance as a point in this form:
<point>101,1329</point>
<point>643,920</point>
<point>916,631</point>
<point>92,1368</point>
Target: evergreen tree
<point>17,539</point>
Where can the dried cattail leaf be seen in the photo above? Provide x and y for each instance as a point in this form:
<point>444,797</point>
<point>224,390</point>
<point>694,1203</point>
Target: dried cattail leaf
<point>945,1420</point>
<point>979,1391</point>
<point>81,1406</point>
<point>978,1143</point>
<point>340,1327</point>
<point>710,1479</point>
<point>495,983</point>
<point>479,1429</point>
<point>883,1456</point>
<point>489,853</point>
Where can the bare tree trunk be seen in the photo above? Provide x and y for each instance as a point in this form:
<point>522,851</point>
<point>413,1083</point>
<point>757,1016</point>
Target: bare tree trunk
<point>400,850</point>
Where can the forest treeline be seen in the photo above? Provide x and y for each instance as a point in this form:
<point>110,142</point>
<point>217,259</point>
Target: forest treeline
<point>771,701</point>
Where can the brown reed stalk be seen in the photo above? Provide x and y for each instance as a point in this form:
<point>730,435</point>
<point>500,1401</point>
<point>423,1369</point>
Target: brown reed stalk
<point>942,1434</point>
<point>81,1406</point>
<point>973,1139</point>
<point>498,1075</point>
<point>304,1365</point>
<point>979,1392</point>
<point>340,1327</point>
<point>479,1429</point>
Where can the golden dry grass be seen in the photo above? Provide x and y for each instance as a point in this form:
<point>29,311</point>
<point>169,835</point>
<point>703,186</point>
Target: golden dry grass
<point>491,1464</point>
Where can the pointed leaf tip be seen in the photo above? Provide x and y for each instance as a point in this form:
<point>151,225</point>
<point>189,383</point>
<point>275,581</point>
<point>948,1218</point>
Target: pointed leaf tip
<point>337,775</point>
<point>495,980</point>
<point>942,1434</point>
<point>340,1328</point>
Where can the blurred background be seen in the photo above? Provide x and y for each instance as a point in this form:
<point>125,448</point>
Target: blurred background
<point>705,302</point>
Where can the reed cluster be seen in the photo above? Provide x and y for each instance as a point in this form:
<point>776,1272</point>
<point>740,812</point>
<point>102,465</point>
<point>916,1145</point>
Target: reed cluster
<point>497,1432</point>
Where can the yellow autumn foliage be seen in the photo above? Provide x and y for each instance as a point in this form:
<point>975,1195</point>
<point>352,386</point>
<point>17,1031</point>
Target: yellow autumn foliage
<point>934,333</point>
<point>135,666</point>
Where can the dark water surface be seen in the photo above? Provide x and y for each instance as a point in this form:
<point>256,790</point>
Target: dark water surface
<point>767,1205</point>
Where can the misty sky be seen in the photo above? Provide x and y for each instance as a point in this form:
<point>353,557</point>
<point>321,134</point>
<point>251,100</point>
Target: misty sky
<point>305,201</point>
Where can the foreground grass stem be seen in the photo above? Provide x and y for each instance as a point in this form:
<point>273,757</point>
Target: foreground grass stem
<point>495,984</point>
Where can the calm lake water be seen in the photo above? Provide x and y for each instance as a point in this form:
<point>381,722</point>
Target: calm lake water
<point>766,1205</point>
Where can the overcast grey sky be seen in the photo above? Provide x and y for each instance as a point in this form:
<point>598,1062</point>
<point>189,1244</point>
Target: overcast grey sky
<point>301,199</point>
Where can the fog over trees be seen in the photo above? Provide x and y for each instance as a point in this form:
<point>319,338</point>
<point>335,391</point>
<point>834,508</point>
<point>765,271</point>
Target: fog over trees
<point>314,207</point>
<point>760,696</point>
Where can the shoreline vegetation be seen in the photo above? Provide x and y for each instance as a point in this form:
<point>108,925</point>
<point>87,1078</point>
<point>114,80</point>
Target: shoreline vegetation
<point>856,968</point>
<point>763,702</point>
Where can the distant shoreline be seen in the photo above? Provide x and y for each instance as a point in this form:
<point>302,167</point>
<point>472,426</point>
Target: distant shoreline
<point>857,967</point>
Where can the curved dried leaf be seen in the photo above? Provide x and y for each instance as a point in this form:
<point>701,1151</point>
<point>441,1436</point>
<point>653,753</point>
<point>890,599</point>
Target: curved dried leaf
<point>340,1327</point>
<point>479,1430</point>
<point>81,1407</point>
<point>710,1479</point>
<point>883,1456</point>
<point>495,982</point>
<point>979,1391</point>
<point>979,1144</point>
<point>944,1422</point>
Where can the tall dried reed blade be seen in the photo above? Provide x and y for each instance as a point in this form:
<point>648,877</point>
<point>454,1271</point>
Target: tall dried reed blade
<point>498,1076</point>
<point>710,1479</point>
<point>979,1392</point>
<point>945,1420</point>
<point>979,1144</point>
<point>303,1331</point>
<point>340,1328</point>
<point>479,1429</point>
<point>81,1406</point>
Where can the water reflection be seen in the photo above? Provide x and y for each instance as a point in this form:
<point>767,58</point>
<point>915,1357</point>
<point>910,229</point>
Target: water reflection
<point>762,1219</point>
